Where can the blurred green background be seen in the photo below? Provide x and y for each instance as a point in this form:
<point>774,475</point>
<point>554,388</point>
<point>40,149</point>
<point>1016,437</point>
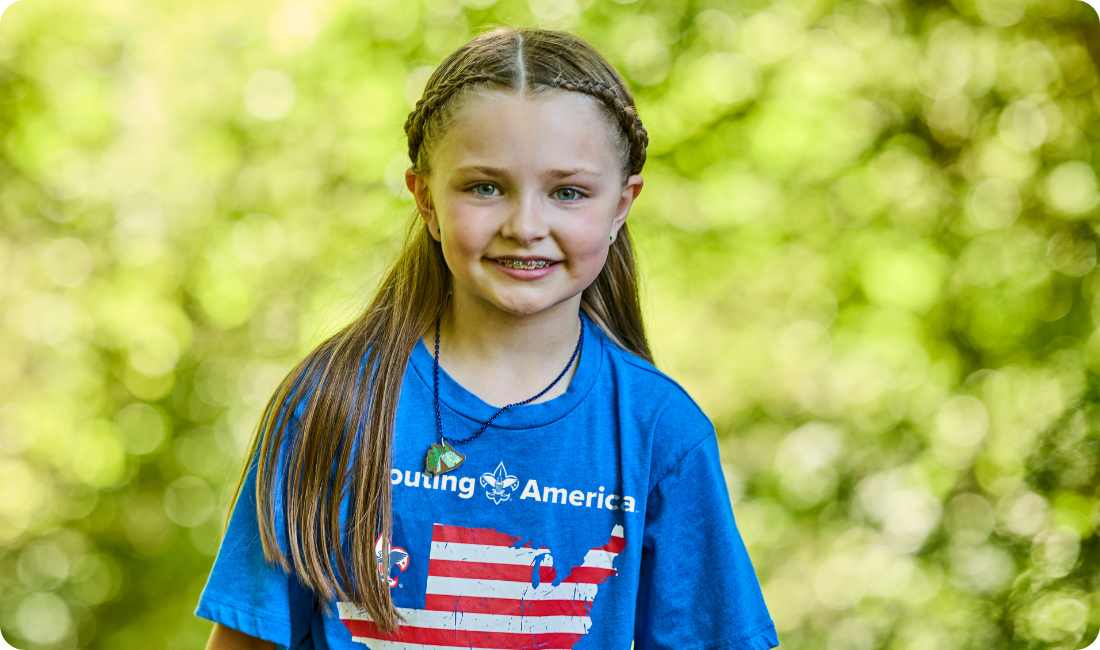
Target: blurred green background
<point>868,247</point>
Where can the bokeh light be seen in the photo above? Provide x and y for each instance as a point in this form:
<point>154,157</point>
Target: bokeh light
<point>868,243</point>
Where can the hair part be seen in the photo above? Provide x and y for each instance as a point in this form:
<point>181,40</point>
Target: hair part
<point>526,62</point>
<point>341,443</point>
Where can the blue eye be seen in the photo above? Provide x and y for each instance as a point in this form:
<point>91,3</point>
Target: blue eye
<point>576,194</point>
<point>475,187</point>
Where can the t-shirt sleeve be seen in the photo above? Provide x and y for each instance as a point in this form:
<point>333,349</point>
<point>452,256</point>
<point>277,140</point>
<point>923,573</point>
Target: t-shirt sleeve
<point>246,593</point>
<point>698,589</point>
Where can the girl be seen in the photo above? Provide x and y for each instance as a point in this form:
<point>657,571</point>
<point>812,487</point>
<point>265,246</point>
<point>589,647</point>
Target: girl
<point>487,457</point>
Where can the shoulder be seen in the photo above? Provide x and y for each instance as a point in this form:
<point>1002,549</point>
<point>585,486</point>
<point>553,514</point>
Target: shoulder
<point>314,378</point>
<point>662,396</point>
<point>670,417</point>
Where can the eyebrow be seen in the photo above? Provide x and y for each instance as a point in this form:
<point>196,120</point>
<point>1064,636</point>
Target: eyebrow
<point>553,173</point>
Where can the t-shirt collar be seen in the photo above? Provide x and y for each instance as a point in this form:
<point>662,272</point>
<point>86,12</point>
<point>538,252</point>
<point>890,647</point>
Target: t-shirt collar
<point>462,402</point>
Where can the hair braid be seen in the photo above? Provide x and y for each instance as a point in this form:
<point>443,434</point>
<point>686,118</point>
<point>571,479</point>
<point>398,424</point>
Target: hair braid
<point>626,114</point>
<point>432,100</point>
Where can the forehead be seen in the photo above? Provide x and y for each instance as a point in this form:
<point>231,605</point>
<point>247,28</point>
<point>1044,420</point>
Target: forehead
<point>555,129</point>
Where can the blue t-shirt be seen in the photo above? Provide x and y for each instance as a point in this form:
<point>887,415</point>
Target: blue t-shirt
<point>590,520</point>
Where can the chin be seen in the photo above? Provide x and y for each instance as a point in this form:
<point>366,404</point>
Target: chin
<point>524,306</point>
<point>524,309</point>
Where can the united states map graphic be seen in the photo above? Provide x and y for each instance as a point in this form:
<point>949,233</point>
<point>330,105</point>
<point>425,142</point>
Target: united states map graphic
<point>482,594</point>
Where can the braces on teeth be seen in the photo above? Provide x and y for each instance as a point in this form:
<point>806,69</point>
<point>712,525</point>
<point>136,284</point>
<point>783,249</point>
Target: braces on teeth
<point>520,264</point>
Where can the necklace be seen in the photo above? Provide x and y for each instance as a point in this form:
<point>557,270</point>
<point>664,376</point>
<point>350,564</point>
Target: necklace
<point>443,457</point>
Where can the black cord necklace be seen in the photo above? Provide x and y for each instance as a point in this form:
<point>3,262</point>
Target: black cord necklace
<point>443,457</point>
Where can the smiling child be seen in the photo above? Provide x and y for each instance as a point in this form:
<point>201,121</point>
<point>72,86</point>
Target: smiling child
<point>487,457</point>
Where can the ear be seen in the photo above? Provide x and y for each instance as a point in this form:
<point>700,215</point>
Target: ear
<point>418,185</point>
<point>630,192</point>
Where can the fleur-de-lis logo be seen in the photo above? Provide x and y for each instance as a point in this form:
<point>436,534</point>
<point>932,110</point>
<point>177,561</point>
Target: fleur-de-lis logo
<point>498,485</point>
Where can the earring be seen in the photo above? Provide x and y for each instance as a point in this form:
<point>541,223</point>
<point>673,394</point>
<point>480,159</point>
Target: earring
<point>438,230</point>
<point>611,238</point>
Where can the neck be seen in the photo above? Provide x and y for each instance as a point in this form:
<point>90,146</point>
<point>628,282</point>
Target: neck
<point>505,358</point>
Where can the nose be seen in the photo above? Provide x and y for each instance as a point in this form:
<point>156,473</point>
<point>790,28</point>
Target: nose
<point>526,220</point>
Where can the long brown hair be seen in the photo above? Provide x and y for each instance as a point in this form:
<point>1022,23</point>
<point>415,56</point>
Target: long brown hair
<point>335,390</point>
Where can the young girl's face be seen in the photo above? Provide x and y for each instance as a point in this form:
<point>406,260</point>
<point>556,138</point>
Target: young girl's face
<point>525,178</point>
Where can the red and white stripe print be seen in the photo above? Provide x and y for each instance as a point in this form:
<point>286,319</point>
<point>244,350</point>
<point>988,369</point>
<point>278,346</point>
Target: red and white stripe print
<point>480,595</point>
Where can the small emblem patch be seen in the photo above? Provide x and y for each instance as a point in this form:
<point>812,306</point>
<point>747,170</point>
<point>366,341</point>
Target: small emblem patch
<point>499,486</point>
<point>398,559</point>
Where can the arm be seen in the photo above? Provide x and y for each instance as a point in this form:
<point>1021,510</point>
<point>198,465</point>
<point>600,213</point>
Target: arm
<point>226,638</point>
<point>256,604</point>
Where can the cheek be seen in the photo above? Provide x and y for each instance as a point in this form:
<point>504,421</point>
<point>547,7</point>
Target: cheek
<point>588,246</point>
<point>465,238</point>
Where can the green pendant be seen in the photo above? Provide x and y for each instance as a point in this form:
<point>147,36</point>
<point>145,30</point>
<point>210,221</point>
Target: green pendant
<point>442,458</point>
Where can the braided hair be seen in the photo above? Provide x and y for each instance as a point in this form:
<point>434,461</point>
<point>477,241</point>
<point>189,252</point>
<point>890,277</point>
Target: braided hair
<point>626,114</point>
<point>428,106</point>
<point>526,60</point>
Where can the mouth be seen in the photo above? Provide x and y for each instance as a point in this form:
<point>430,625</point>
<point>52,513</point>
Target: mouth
<point>525,263</point>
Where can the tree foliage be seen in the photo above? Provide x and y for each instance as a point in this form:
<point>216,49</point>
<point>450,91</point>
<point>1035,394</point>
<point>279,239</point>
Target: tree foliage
<point>868,247</point>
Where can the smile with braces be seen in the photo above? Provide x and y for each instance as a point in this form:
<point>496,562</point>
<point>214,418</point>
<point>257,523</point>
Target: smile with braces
<point>520,264</point>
